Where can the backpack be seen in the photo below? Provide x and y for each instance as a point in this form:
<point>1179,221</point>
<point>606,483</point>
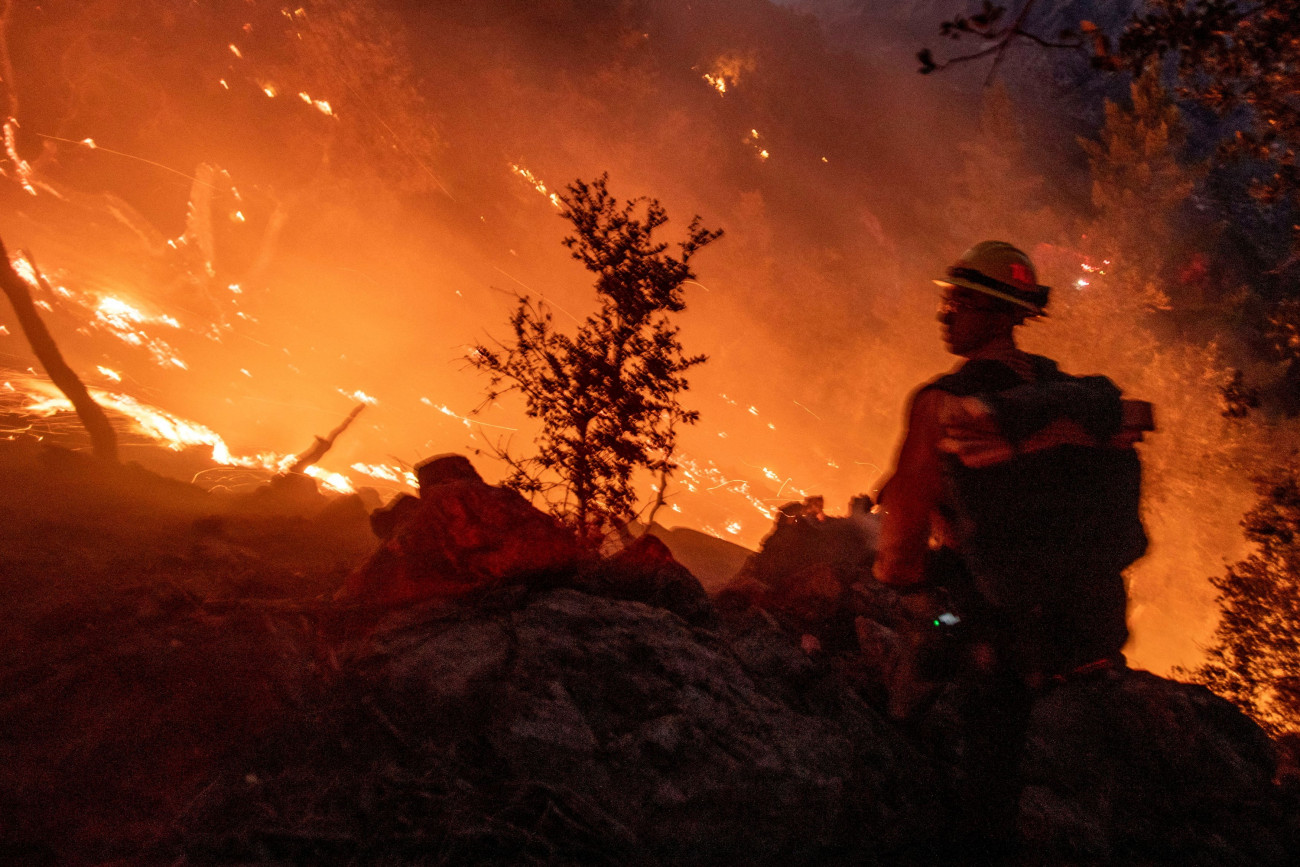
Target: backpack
<point>1045,535</point>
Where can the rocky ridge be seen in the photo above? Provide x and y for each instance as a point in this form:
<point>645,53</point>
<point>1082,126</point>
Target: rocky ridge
<point>526,703</point>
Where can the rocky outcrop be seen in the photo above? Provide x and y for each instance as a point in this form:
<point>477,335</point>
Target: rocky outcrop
<point>646,571</point>
<point>713,561</point>
<point>575,729</point>
<point>599,712</point>
<point>1130,768</point>
<point>461,536</point>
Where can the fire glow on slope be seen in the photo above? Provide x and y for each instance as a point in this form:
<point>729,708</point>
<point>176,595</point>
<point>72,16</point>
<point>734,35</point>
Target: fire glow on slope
<point>426,196</point>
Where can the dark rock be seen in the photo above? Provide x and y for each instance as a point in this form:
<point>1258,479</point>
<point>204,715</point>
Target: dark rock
<point>605,731</point>
<point>370,498</point>
<point>384,520</point>
<point>346,514</point>
<point>645,571</point>
<point>461,536</point>
<point>285,494</point>
<point>145,722</point>
<point>1131,768</point>
<point>129,715</point>
<point>441,469</point>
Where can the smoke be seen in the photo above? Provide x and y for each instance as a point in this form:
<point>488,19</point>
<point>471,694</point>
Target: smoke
<point>374,198</point>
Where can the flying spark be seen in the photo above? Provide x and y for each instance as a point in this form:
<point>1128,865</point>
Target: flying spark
<point>359,396</point>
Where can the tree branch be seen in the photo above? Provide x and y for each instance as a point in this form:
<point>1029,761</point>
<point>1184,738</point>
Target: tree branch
<point>103,439</point>
<point>323,444</point>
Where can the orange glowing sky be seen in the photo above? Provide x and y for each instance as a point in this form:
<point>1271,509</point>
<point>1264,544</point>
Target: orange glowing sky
<point>255,216</point>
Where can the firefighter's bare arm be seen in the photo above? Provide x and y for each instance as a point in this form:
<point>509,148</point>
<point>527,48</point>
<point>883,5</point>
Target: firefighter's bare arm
<point>911,496</point>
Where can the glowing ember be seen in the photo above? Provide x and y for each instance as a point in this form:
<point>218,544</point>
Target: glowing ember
<point>123,321</point>
<point>120,316</point>
<point>320,105</point>
<point>234,49</point>
<point>44,400</point>
<point>24,269</point>
<point>359,396</point>
<point>695,478</point>
<point>536,182</point>
<point>726,72</point>
<point>175,433</point>
<point>110,374</point>
<point>22,171</point>
<point>753,140</point>
<point>448,411</point>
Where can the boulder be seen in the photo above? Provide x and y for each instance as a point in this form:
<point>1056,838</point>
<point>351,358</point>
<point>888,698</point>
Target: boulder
<point>646,571</point>
<point>573,729</point>
<point>461,536</point>
<point>385,520</point>
<point>1131,768</point>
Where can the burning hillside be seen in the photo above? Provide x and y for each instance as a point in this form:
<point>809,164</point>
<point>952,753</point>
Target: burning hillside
<point>250,217</point>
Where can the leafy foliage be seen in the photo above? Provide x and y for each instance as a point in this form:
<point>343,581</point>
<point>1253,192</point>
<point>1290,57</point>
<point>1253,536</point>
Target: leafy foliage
<point>1111,316</point>
<point>1232,56</point>
<point>1139,186</point>
<point>1240,60</point>
<point>1255,660</point>
<point>607,396</point>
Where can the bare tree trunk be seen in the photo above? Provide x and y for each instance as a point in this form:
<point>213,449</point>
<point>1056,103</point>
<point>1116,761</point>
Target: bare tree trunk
<point>103,439</point>
<point>324,444</point>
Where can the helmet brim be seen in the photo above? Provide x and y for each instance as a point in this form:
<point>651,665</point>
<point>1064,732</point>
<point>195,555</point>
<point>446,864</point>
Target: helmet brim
<point>950,282</point>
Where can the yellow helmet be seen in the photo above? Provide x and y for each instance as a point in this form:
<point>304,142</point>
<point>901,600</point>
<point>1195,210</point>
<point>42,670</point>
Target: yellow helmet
<point>997,268</point>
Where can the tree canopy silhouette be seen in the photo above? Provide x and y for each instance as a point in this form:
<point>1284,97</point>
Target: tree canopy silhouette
<point>1255,659</point>
<point>607,396</point>
<point>1240,60</point>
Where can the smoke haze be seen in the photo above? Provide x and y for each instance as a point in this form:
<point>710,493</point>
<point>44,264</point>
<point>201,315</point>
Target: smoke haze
<point>371,175</point>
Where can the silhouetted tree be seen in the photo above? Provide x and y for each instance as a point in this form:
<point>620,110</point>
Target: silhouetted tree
<point>1241,60</point>
<point>607,396</point>
<point>1255,659</point>
<point>1230,56</point>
